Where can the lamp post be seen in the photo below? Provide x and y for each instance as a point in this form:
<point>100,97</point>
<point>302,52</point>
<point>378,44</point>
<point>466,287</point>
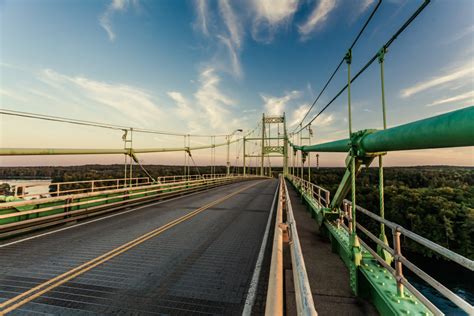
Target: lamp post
<point>228,137</point>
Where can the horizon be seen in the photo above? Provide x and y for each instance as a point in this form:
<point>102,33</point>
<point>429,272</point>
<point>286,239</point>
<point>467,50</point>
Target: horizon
<point>223,166</point>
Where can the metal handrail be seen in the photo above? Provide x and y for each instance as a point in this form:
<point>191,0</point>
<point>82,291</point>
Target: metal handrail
<point>91,186</point>
<point>274,303</point>
<point>315,190</point>
<point>304,298</point>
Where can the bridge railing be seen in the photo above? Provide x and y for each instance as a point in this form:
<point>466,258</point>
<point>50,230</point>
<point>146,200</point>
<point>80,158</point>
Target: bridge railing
<point>401,261</point>
<point>25,215</point>
<point>75,187</point>
<point>286,231</point>
<point>83,186</point>
<point>320,194</point>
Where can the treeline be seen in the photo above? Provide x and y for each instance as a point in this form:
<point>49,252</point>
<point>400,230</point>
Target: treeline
<point>93,172</point>
<point>434,202</point>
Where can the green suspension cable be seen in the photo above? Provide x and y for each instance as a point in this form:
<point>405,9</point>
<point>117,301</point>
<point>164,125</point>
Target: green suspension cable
<point>384,116</point>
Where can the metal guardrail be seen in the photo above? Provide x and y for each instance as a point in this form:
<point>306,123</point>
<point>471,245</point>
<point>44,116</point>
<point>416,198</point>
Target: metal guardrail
<point>400,260</point>
<point>84,186</point>
<point>23,214</point>
<point>318,193</point>
<point>304,298</point>
<point>96,185</point>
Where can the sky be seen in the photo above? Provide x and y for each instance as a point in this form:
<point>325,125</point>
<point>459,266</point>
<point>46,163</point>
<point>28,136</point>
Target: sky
<point>211,67</point>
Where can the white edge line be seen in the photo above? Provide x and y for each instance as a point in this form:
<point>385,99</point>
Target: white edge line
<point>252,292</point>
<point>100,219</point>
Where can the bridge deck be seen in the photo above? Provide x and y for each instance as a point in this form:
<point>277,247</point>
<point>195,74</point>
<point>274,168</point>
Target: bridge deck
<point>327,274</point>
<point>204,264</point>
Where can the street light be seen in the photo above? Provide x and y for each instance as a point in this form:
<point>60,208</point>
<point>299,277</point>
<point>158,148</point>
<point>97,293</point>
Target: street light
<point>228,137</point>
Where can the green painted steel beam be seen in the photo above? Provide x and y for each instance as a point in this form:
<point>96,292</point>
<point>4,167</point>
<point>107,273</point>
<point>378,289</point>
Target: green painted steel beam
<point>453,129</point>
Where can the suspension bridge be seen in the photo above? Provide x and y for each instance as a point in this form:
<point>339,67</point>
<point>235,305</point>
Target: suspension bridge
<point>256,239</point>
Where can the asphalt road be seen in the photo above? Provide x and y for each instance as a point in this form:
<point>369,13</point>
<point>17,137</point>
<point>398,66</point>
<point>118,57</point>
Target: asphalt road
<point>137,263</point>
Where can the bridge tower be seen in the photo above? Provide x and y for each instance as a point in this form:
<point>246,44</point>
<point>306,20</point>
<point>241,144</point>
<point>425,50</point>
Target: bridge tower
<point>274,142</point>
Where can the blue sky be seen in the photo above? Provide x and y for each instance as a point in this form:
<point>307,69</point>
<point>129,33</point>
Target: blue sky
<point>214,66</point>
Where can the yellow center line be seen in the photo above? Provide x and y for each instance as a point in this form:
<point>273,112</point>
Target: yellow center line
<point>47,286</point>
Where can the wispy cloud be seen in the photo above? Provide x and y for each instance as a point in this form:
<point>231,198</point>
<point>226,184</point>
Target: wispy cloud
<point>228,34</point>
<point>454,76</point>
<point>233,39</point>
<point>269,15</point>
<point>364,5</point>
<point>212,100</point>
<point>202,12</point>
<point>324,120</point>
<point>211,107</point>
<point>134,103</point>
<point>318,17</point>
<point>467,97</point>
<point>233,55</point>
<point>105,19</point>
<point>276,105</point>
<point>298,114</point>
<point>460,35</point>
<point>9,94</point>
<point>232,23</point>
<point>184,109</point>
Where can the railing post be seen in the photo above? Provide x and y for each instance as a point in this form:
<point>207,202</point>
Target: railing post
<point>309,167</point>
<point>327,198</point>
<point>398,264</point>
<point>349,216</point>
<point>92,186</point>
<point>319,196</point>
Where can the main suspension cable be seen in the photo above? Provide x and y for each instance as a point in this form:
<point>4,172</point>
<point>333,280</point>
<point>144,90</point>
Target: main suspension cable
<point>386,46</point>
<point>96,124</point>
<point>340,63</point>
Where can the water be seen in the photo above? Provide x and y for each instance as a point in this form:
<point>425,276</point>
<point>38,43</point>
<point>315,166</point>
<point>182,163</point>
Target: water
<point>456,278</point>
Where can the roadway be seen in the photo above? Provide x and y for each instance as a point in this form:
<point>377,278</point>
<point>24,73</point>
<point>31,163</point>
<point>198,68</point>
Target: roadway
<point>193,254</point>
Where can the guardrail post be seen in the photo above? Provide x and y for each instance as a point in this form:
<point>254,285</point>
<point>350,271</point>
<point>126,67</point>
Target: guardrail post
<point>398,264</point>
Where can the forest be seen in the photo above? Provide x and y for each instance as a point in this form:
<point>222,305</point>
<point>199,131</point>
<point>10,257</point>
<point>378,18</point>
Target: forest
<point>436,202</point>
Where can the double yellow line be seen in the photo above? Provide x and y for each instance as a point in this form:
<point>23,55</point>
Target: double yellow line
<point>47,286</point>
